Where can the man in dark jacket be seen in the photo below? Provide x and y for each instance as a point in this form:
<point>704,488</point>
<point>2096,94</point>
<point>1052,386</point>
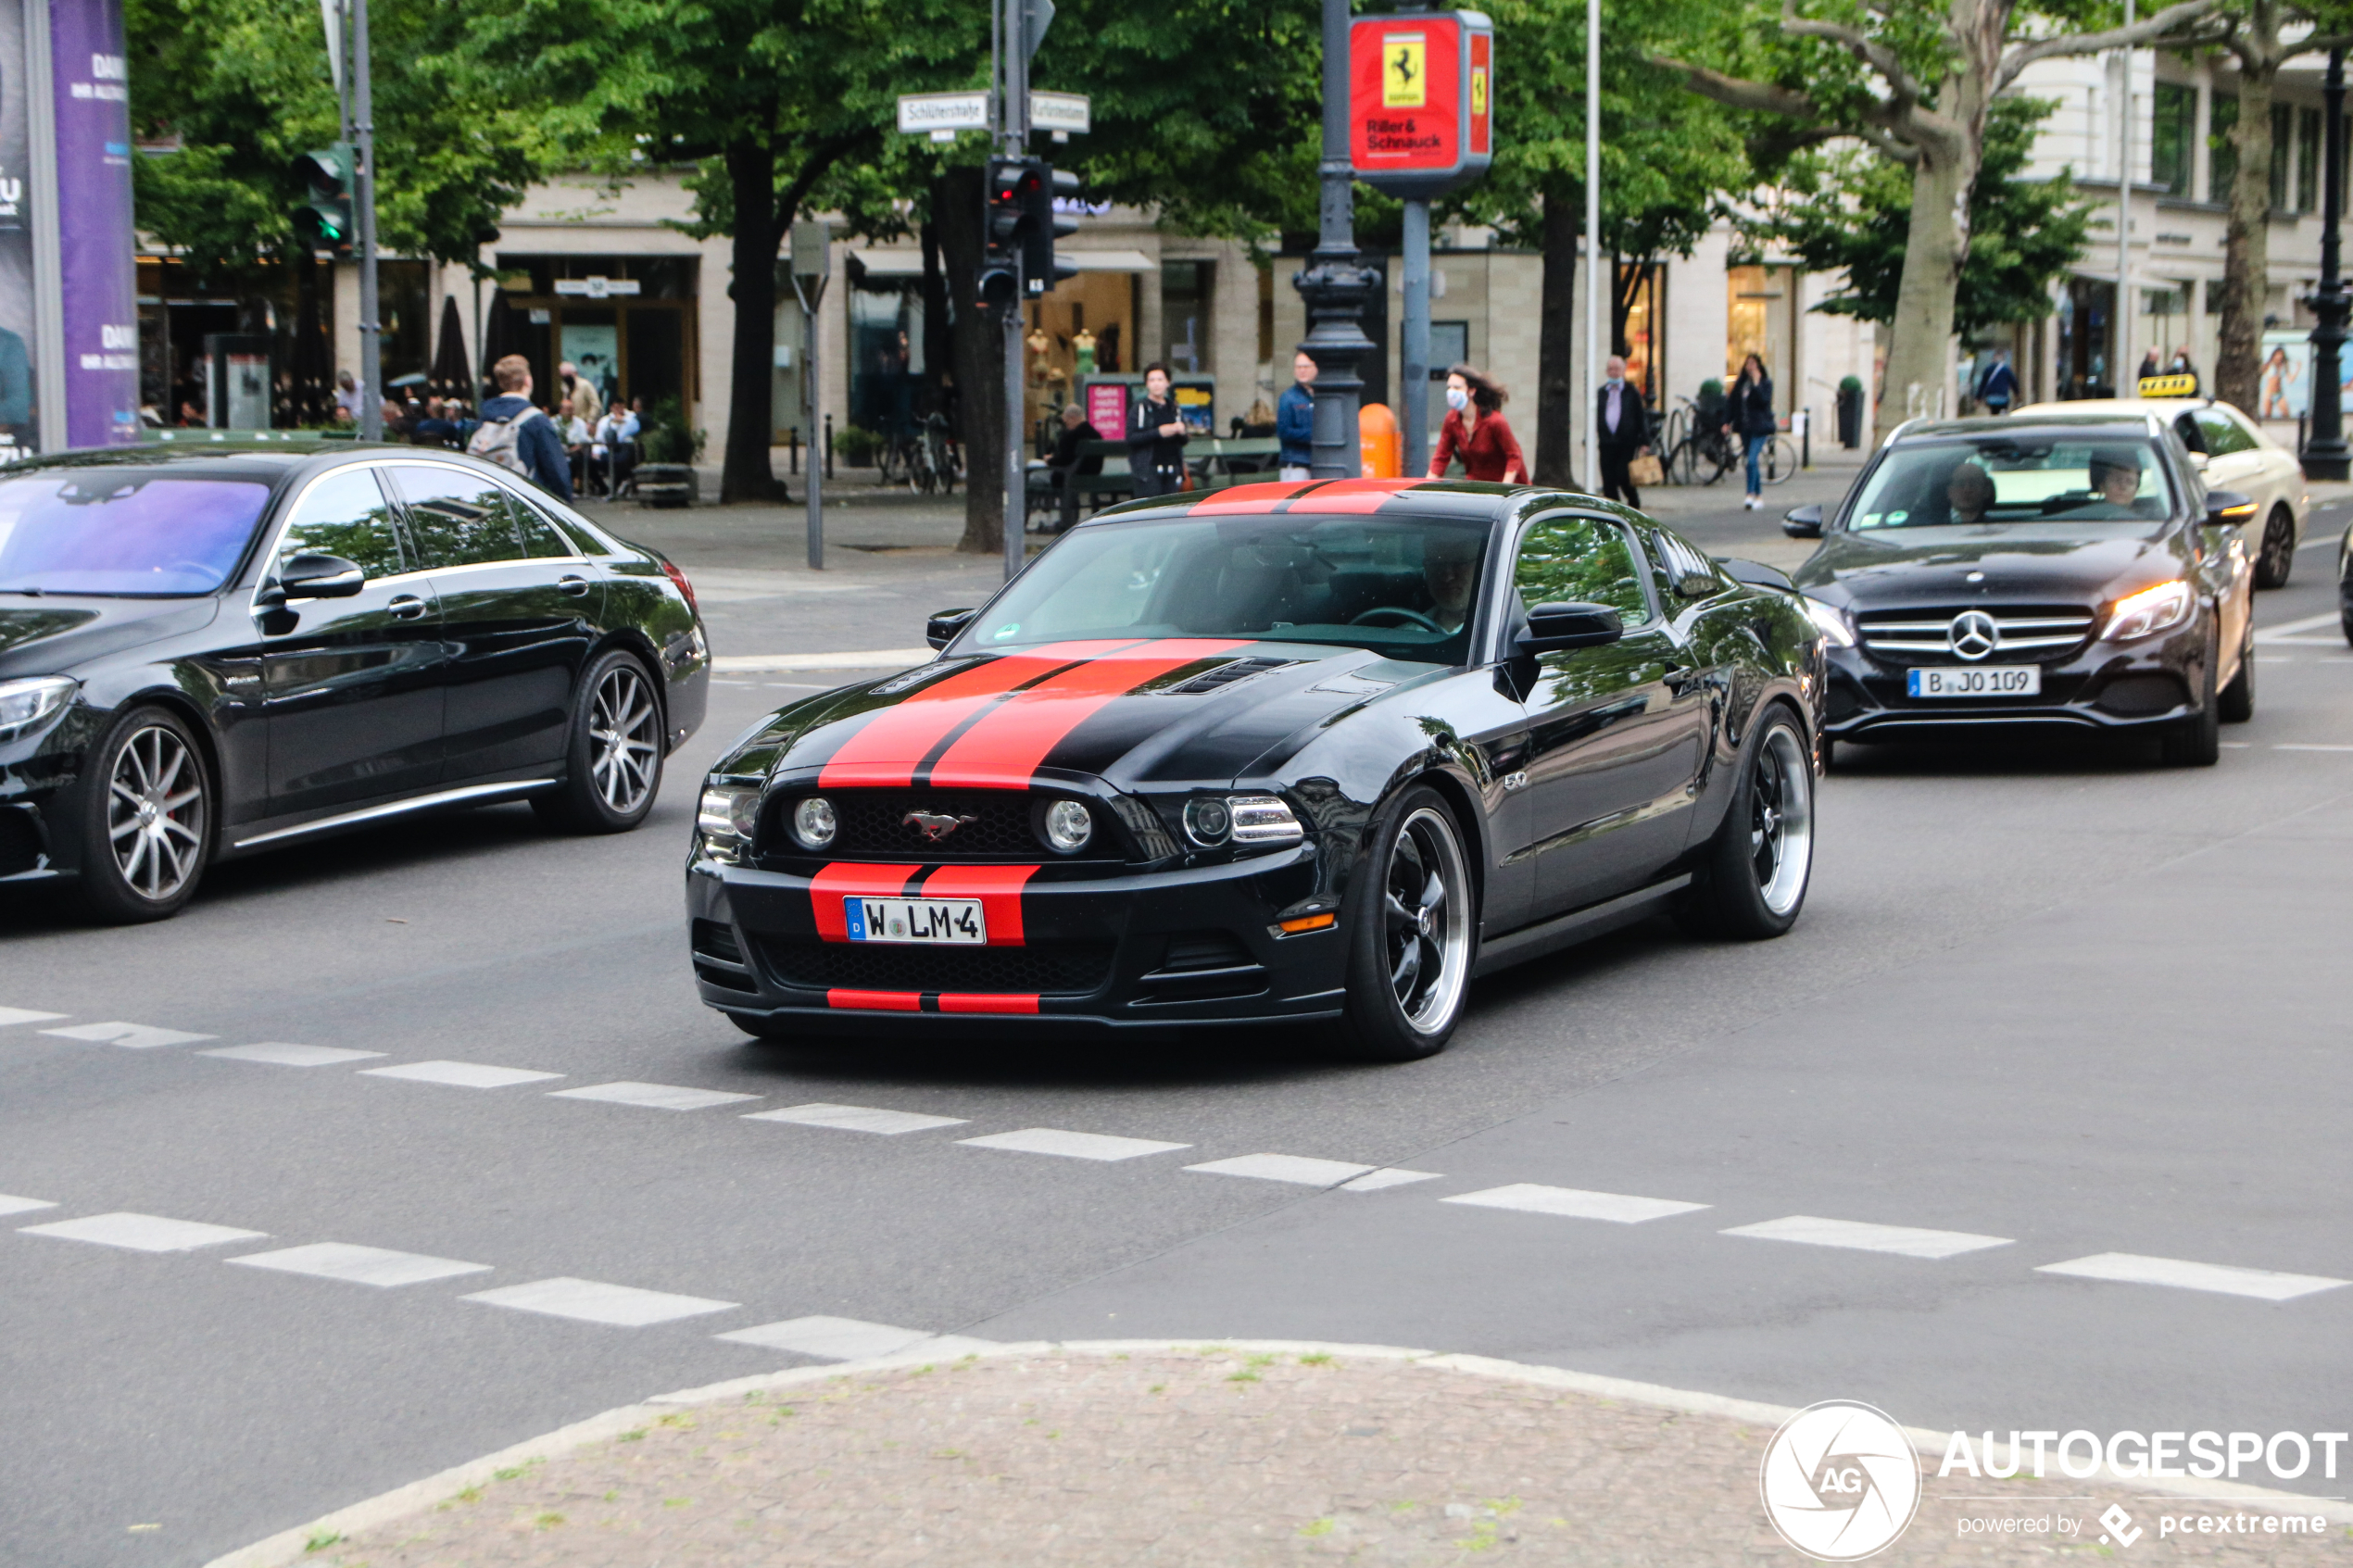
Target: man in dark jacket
<point>1156,437</point>
<point>535,449</point>
<point>1997,389</point>
<point>1295,421</point>
<point>1621,429</point>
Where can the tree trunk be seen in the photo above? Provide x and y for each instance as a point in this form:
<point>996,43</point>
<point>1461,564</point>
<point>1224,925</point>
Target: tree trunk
<point>745,473</point>
<point>2246,251</point>
<point>1556,354</point>
<point>980,364</point>
<point>1919,359</point>
<point>936,316</point>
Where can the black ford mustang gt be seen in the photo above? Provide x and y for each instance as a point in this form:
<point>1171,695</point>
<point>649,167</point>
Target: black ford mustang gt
<point>1285,752</point>
<point>210,653</point>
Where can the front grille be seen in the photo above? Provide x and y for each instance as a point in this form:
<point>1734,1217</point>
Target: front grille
<point>991,825</point>
<point>2038,633</point>
<point>1066,968</point>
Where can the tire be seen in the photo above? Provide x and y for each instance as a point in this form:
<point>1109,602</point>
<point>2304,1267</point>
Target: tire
<point>2276,559</point>
<point>146,822</point>
<point>1412,935</point>
<point>612,758</point>
<point>2235,703</point>
<point>1753,876</point>
<point>2196,742</point>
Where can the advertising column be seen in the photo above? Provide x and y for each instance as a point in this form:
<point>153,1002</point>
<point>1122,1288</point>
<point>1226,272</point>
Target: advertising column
<point>19,410</point>
<point>97,274</point>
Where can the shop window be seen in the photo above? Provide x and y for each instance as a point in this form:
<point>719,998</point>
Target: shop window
<point>1184,314</point>
<point>2308,159</point>
<point>2172,123</point>
<point>2282,123</point>
<point>2222,153</point>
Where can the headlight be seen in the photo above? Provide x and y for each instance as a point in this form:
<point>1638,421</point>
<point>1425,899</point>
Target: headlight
<point>1836,624</point>
<point>1263,820</point>
<point>1208,821</point>
<point>2150,610</point>
<point>728,812</point>
<point>813,822</point>
<point>24,704</point>
<point>1066,826</point>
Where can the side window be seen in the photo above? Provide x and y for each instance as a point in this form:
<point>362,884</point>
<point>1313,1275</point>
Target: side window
<point>541,538</point>
<point>1580,561</point>
<point>455,518</point>
<point>1675,559</point>
<point>2222,434</point>
<point>345,514</point>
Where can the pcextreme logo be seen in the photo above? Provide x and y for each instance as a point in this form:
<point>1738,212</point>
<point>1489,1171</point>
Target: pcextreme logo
<point>1840,1481</point>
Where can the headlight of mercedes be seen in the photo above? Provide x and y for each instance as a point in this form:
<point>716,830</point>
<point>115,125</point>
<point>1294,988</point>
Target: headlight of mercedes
<point>27,705</point>
<point>1836,624</point>
<point>2150,611</point>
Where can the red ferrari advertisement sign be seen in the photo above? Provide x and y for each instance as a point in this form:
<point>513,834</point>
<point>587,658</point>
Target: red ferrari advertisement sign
<point>1420,95</point>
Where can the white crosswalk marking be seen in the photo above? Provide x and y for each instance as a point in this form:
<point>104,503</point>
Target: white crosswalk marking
<point>855,1118</point>
<point>848,1340</point>
<point>1575,1204</point>
<point>9,1205</point>
<point>1388,1176</point>
<point>1904,1240</point>
<point>143,1232</point>
<point>1073,1146</point>
<point>136,1036</point>
<point>1294,1168</point>
<point>25,1015</point>
<point>359,1265</point>
<point>588,1300</point>
<point>2129,1268</point>
<point>277,1054</point>
<point>656,1097</point>
<point>464,1074</point>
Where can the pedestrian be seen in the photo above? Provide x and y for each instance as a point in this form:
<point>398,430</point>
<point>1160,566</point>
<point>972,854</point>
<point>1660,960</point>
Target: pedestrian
<point>1068,462</point>
<point>1156,437</point>
<point>1295,420</point>
<point>2182,367</point>
<point>1474,429</point>
<point>2149,367</point>
<point>586,401</point>
<point>575,431</point>
<point>347,397</point>
<point>1749,410</point>
<point>437,429</point>
<point>1997,389</point>
<point>515,433</point>
<point>1621,431</point>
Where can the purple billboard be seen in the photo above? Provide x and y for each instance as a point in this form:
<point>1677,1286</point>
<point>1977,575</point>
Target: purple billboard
<point>97,269</point>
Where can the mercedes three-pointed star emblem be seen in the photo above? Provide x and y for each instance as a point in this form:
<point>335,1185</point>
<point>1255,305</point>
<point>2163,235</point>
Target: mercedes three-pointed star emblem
<point>1974,634</point>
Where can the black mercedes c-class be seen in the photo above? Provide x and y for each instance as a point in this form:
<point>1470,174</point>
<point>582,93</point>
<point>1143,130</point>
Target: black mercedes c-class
<point>2046,569</point>
<point>205,654</point>
<point>1285,753</point>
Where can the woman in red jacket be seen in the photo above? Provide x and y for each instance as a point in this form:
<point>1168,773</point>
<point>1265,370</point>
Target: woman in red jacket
<point>1474,430</point>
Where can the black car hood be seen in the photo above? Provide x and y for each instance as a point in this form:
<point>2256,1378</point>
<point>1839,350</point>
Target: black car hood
<point>2068,563</point>
<point>1163,712</point>
<point>53,634</point>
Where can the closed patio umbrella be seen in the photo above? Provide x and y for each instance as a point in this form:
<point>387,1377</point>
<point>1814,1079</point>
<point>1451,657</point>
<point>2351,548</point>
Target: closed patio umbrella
<point>450,376</point>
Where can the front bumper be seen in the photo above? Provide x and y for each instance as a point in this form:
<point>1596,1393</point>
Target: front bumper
<point>1070,950</point>
<point>2144,685</point>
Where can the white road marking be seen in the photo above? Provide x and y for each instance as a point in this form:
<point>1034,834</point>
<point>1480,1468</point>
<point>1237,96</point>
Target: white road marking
<point>2287,629</point>
<point>855,1118</point>
<point>1073,1146</point>
<point>1294,1168</point>
<point>136,1036</point>
<point>25,1015</point>
<point>1575,1204</point>
<point>278,1054</point>
<point>143,1232</point>
<point>11,1205</point>
<point>656,1097</point>
<point>1904,1240</point>
<point>590,1300</point>
<point>2275,658</point>
<point>359,1265</point>
<point>2235,744</point>
<point>2129,1269</point>
<point>861,659</point>
<point>1390,1176</point>
<point>848,1340</point>
<point>464,1074</point>
<point>2289,746</point>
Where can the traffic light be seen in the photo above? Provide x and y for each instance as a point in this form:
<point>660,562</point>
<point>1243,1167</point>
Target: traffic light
<point>325,219</point>
<point>1004,223</point>
<point>1044,226</point>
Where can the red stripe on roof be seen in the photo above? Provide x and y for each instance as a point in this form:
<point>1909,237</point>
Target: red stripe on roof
<point>831,885</point>
<point>1361,495</point>
<point>886,749</point>
<point>1250,497</point>
<point>998,889</point>
<point>1005,748</point>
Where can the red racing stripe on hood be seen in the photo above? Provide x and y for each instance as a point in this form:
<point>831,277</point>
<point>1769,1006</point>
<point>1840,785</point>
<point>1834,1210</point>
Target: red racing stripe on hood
<point>886,750</point>
<point>997,887</point>
<point>1005,747</point>
<point>831,885</point>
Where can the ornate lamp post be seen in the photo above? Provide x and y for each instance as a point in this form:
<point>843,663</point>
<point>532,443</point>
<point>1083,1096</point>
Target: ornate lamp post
<point>1336,286</point>
<point>2324,454</point>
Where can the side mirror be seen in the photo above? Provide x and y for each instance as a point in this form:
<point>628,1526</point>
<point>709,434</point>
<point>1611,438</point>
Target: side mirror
<point>1553,627</point>
<point>2228,508</point>
<point>320,577</point>
<point>1802,522</point>
<point>941,628</point>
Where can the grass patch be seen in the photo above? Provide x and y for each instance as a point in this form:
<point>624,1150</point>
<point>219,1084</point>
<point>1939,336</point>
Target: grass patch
<point>322,1541</point>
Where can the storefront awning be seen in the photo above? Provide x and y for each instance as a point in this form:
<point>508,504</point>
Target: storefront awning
<point>910,263</point>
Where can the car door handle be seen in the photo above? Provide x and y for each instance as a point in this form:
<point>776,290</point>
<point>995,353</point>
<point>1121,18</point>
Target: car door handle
<point>576,586</point>
<point>405,607</point>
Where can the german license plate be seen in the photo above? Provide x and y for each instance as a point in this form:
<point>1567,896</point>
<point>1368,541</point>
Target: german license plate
<point>935,921</point>
<point>2000,680</point>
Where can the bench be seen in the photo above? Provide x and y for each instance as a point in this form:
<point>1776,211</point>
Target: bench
<point>1213,462</point>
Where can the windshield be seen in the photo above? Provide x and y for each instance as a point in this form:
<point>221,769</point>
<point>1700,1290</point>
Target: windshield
<point>1993,480</point>
<point>124,532</point>
<point>1403,586</point>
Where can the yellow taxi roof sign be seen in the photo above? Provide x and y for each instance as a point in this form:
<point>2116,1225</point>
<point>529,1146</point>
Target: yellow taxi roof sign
<point>2168,386</point>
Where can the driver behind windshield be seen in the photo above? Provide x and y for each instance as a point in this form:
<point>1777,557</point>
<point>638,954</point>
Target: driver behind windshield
<point>2116,479</point>
<point>1450,569</point>
<point>1968,491</point>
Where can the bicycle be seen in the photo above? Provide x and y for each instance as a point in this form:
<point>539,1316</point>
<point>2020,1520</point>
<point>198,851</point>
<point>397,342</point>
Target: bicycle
<point>934,462</point>
<point>1779,460</point>
<point>1703,457</point>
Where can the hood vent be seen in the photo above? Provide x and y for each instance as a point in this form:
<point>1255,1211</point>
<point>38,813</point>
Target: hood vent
<point>1225,675</point>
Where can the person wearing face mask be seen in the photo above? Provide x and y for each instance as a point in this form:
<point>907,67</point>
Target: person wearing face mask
<point>1474,430</point>
<point>1156,437</point>
<point>1620,429</point>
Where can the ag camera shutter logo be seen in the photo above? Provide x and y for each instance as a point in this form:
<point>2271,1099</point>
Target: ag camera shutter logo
<point>1840,1481</point>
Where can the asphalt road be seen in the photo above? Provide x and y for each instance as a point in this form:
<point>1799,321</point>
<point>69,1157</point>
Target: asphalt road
<point>2051,1002</point>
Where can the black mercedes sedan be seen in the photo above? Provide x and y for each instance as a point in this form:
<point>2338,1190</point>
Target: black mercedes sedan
<point>207,653</point>
<point>2042,569</point>
<point>1284,753</point>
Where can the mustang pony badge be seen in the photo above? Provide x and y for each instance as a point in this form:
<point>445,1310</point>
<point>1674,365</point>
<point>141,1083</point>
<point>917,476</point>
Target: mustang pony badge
<point>936,825</point>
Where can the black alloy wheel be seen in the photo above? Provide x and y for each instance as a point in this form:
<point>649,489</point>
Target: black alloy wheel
<point>615,755</point>
<point>1752,878</point>
<point>1413,934</point>
<point>2276,558</point>
<point>147,829</point>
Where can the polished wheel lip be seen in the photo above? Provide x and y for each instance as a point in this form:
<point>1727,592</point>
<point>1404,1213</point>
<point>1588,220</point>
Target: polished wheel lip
<point>624,740</point>
<point>1780,827</point>
<point>1426,921</point>
<point>156,813</point>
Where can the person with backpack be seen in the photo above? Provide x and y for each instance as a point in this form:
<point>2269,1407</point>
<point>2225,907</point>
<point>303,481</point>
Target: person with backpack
<point>516,433</point>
